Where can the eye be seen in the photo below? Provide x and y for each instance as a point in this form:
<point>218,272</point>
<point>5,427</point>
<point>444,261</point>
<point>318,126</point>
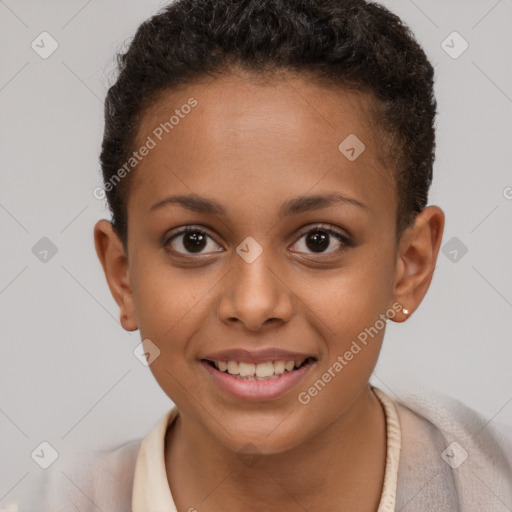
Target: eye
<point>192,239</point>
<point>319,239</point>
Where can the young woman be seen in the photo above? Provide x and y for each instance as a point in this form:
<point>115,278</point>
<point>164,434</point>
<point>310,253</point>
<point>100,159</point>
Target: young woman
<point>267,164</point>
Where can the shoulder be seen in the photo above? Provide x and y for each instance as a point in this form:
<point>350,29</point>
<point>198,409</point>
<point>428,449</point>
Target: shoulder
<point>87,481</point>
<point>454,453</point>
<point>455,421</point>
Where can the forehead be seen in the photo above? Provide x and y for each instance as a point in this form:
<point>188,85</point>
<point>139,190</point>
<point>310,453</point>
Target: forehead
<point>254,143</point>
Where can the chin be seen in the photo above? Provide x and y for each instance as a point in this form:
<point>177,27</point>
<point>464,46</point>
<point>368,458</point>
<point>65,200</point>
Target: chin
<point>266,438</point>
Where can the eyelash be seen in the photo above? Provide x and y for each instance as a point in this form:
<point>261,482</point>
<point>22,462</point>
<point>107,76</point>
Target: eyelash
<point>345,241</point>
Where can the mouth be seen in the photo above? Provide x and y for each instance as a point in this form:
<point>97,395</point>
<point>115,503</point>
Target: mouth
<point>262,371</point>
<point>257,382</point>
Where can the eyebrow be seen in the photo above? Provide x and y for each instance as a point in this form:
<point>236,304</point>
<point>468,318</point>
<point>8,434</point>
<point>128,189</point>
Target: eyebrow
<point>300,204</point>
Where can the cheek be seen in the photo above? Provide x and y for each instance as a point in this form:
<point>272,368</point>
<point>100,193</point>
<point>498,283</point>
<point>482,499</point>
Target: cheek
<point>346,307</point>
<point>349,307</point>
<point>171,307</point>
<point>168,305</point>
<point>166,299</point>
<point>348,299</point>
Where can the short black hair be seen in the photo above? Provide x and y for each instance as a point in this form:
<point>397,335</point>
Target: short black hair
<point>354,44</point>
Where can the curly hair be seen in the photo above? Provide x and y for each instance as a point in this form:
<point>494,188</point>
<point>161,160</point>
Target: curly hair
<point>352,44</point>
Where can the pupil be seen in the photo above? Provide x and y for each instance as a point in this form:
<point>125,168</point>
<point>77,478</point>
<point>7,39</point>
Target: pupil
<point>194,241</point>
<point>319,239</point>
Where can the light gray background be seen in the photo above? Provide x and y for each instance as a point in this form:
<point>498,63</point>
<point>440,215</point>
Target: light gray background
<point>67,372</point>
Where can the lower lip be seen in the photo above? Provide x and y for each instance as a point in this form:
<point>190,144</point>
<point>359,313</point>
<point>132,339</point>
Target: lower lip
<point>257,390</point>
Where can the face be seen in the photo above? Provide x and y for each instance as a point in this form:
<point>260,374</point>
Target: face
<point>281,247</point>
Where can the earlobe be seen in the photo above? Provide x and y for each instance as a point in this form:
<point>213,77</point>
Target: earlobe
<point>111,254</point>
<point>416,260</point>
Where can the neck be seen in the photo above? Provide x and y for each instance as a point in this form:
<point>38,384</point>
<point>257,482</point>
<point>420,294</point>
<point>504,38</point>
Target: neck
<point>341,468</point>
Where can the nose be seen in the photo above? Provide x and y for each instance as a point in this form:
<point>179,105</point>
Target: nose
<point>256,295</point>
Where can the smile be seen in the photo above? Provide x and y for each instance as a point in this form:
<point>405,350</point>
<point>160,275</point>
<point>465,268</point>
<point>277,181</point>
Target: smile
<point>257,382</point>
<point>261,371</point>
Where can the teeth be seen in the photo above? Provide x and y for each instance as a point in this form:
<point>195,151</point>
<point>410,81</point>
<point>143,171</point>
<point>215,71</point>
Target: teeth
<point>260,371</point>
<point>246,369</point>
<point>265,369</point>
<point>233,368</point>
<point>279,367</point>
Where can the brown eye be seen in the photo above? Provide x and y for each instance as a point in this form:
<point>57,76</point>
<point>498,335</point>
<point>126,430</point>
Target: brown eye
<point>190,241</point>
<point>320,239</point>
<point>317,241</point>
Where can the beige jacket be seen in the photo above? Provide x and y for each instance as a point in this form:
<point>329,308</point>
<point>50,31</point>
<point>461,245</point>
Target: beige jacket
<point>442,457</point>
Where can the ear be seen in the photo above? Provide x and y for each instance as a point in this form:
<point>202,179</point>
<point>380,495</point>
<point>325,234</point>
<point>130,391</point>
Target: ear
<point>416,259</point>
<point>114,261</point>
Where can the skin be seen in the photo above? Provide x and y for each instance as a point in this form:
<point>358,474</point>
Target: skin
<point>252,147</point>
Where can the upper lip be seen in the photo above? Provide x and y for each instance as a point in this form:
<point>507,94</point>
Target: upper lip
<point>256,356</point>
